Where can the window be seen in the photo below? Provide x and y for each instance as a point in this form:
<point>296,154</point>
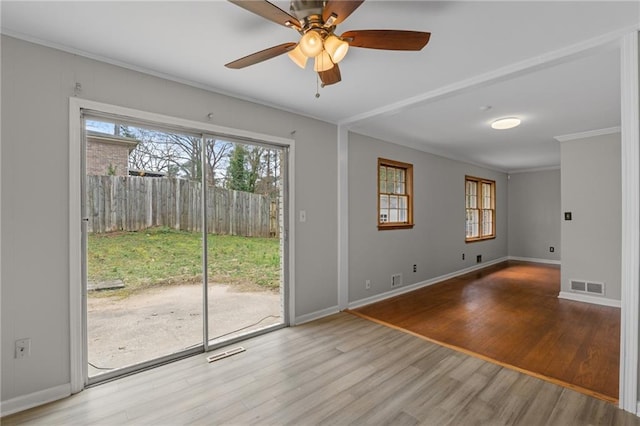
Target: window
<point>395,194</point>
<point>480,204</point>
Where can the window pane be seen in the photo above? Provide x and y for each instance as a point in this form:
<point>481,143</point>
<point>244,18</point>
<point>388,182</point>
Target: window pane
<point>467,223</point>
<point>393,202</point>
<point>383,173</point>
<point>400,175</point>
<point>486,196</point>
<point>472,226</point>
<point>402,202</point>
<point>487,223</point>
<point>402,215</point>
<point>471,188</point>
<point>383,186</point>
<point>471,199</point>
<point>400,188</point>
<point>384,202</point>
<point>393,215</point>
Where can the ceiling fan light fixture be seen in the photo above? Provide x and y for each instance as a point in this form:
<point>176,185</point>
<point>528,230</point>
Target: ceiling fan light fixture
<point>323,62</point>
<point>336,48</point>
<point>311,44</point>
<point>298,58</point>
<point>505,123</point>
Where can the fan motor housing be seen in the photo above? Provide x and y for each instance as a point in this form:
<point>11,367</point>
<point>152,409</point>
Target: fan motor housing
<point>301,9</point>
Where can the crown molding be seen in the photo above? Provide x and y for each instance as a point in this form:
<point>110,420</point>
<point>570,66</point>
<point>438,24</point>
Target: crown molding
<point>534,170</point>
<point>588,134</point>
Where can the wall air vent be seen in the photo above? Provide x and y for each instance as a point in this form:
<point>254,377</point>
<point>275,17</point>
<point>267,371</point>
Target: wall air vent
<point>587,287</point>
<point>595,288</point>
<point>578,286</point>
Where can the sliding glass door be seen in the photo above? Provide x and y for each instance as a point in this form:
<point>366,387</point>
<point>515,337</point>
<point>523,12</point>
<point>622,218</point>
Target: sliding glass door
<point>245,244</point>
<point>183,236</point>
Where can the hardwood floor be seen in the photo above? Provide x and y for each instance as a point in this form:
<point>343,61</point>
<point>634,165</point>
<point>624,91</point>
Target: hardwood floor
<point>510,313</point>
<point>338,370</point>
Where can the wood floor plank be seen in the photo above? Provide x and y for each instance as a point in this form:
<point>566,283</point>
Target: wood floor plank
<point>540,408</point>
<point>511,313</point>
<point>298,376</point>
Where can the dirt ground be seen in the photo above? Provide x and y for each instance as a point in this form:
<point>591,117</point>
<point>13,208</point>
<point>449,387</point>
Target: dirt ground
<point>168,319</point>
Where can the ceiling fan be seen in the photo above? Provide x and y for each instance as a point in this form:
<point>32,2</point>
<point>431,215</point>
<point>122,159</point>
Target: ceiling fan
<point>316,21</point>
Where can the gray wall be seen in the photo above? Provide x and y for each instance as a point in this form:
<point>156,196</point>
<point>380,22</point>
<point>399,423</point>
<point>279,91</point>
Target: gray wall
<point>534,215</point>
<point>437,241</point>
<point>36,85</point>
<point>591,191</point>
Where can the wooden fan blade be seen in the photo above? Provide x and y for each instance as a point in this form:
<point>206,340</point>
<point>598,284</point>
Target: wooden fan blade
<point>387,39</point>
<point>268,11</point>
<point>341,8</point>
<point>260,56</point>
<point>331,76</point>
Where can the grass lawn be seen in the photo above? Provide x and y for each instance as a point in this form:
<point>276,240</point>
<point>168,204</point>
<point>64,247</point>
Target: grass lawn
<point>162,256</point>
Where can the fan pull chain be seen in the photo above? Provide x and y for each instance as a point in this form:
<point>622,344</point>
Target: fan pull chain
<point>317,86</point>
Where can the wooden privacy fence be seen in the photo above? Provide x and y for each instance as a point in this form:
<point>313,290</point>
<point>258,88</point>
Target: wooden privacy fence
<point>132,203</point>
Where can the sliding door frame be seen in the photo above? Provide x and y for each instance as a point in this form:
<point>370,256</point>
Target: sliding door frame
<point>77,294</point>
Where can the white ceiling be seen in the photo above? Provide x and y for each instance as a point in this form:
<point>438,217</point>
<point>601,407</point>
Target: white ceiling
<point>547,62</point>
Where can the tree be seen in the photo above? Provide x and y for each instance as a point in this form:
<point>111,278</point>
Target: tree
<point>217,153</point>
<point>153,153</point>
<point>254,167</point>
<point>237,176</point>
<point>177,154</point>
<point>188,160</point>
<point>269,181</point>
<point>249,168</point>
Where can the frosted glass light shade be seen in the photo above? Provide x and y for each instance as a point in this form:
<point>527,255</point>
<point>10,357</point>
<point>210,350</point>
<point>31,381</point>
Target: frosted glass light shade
<point>298,57</point>
<point>505,123</point>
<point>311,44</point>
<point>336,48</point>
<point>323,62</point>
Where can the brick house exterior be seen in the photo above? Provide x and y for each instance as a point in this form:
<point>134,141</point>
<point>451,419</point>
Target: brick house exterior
<point>108,154</point>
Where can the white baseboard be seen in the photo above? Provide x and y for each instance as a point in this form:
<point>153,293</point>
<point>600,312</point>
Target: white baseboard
<point>31,400</point>
<point>589,299</point>
<point>412,287</point>
<point>316,315</point>
<point>535,260</point>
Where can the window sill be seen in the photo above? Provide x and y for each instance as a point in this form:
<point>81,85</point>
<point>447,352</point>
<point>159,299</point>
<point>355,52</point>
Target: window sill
<point>385,227</point>
<point>475,240</point>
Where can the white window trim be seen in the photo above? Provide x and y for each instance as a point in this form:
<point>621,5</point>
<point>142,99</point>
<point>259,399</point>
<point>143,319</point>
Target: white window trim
<point>76,105</point>
<point>630,278</point>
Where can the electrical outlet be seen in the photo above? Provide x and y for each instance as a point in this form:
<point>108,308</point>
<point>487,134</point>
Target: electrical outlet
<point>479,258</point>
<point>552,249</point>
<point>367,284</point>
<point>415,268</point>
<point>23,348</point>
<point>462,256</point>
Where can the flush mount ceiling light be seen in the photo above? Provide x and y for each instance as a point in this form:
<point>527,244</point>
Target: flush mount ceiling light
<point>505,123</point>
